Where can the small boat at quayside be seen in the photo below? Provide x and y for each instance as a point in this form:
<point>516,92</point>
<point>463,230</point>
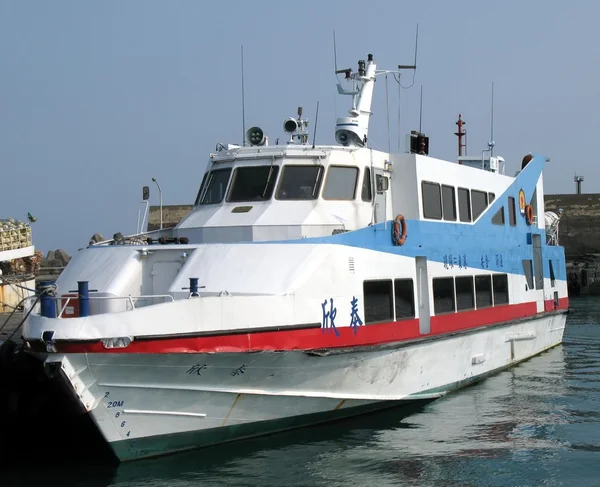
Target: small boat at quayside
<point>307,284</point>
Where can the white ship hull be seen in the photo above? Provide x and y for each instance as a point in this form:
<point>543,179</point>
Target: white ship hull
<point>151,404</point>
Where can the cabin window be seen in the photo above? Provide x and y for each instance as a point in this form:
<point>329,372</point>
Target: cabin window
<point>443,295</point>
<point>378,300</point>
<point>464,205</point>
<point>405,299</point>
<point>201,190</point>
<point>552,278</point>
<point>367,188</point>
<point>483,291</point>
<point>299,182</point>
<point>382,182</point>
<point>491,197</point>
<point>432,200</point>
<point>340,183</point>
<point>479,200</point>
<point>216,185</point>
<point>500,289</point>
<point>449,203</point>
<point>253,183</point>
<point>528,270</point>
<point>512,216</point>
<point>498,218</point>
<point>465,298</point>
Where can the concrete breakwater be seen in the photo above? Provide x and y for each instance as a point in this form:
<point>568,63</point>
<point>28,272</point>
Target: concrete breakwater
<point>579,233</point>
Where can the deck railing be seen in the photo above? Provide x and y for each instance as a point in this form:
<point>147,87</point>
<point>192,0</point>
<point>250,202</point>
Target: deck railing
<point>129,300</point>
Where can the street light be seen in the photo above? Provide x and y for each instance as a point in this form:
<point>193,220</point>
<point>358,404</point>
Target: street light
<point>160,195</point>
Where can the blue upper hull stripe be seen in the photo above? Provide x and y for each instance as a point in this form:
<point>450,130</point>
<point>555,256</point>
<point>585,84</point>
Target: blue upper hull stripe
<point>481,245</point>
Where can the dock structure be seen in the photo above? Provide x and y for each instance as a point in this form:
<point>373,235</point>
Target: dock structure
<point>7,328</point>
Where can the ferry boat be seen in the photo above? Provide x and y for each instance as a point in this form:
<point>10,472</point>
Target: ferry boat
<point>18,264</point>
<point>308,283</point>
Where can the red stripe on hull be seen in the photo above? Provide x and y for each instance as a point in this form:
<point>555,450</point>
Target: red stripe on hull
<point>465,320</point>
<point>317,338</point>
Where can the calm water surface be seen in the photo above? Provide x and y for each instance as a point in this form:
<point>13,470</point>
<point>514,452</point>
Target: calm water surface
<point>535,424</point>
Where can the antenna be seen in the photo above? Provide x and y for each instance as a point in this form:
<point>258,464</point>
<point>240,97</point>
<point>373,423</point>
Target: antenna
<point>316,121</point>
<point>460,134</point>
<point>400,68</point>
<point>492,143</point>
<point>421,110</point>
<point>414,65</point>
<point>334,53</point>
<point>243,103</point>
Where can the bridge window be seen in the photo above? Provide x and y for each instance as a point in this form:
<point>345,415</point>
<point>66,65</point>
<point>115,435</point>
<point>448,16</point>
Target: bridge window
<point>378,297</point>
<point>449,203</point>
<point>367,188</point>
<point>465,298</point>
<point>500,289</point>
<point>443,295</point>
<point>299,182</point>
<point>464,205</point>
<point>432,200</point>
<point>483,291</point>
<point>479,200</point>
<point>512,216</point>
<point>405,299</point>
<point>340,183</point>
<point>492,197</point>
<point>213,188</point>
<point>253,183</point>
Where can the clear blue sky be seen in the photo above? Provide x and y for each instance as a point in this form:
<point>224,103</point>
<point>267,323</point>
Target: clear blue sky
<point>96,98</point>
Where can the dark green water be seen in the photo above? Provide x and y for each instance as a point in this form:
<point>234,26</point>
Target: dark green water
<point>537,424</point>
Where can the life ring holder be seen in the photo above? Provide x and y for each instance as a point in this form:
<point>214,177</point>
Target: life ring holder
<point>528,214</point>
<point>400,233</point>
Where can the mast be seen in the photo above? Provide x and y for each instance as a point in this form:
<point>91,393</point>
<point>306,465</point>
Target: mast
<point>460,134</point>
<point>353,130</point>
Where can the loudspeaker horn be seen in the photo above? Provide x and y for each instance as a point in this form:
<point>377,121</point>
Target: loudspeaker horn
<point>255,136</point>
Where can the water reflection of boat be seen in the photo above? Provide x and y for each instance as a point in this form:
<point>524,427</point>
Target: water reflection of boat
<point>309,283</point>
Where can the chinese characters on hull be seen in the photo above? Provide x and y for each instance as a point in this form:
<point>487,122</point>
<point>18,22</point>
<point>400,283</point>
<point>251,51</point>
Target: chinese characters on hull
<point>330,313</point>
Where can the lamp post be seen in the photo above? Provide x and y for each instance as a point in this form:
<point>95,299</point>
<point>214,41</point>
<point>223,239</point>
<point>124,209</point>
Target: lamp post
<point>160,195</point>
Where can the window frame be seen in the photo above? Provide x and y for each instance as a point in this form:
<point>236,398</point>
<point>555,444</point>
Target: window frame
<point>433,283</point>
<point>333,166</point>
<point>432,183</point>
<point>528,272</point>
<point>234,175</point>
<point>391,300</point>
<point>412,288</point>
<point>505,277</point>
<point>367,174</point>
<point>499,212</point>
<point>447,186</point>
<point>479,278</point>
<point>464,278</point>
<point>226,189</point>
<point>318,183</point>
<point>468,193</point>
<point>485,196</point>
<point>512,214</point>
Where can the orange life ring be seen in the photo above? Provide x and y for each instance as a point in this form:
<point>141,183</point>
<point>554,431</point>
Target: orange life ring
<point>528,214</point>
<point>399,237</point>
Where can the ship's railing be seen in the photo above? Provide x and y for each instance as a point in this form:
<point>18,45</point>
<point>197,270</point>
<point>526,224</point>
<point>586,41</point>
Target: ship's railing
<point>130,300</point>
